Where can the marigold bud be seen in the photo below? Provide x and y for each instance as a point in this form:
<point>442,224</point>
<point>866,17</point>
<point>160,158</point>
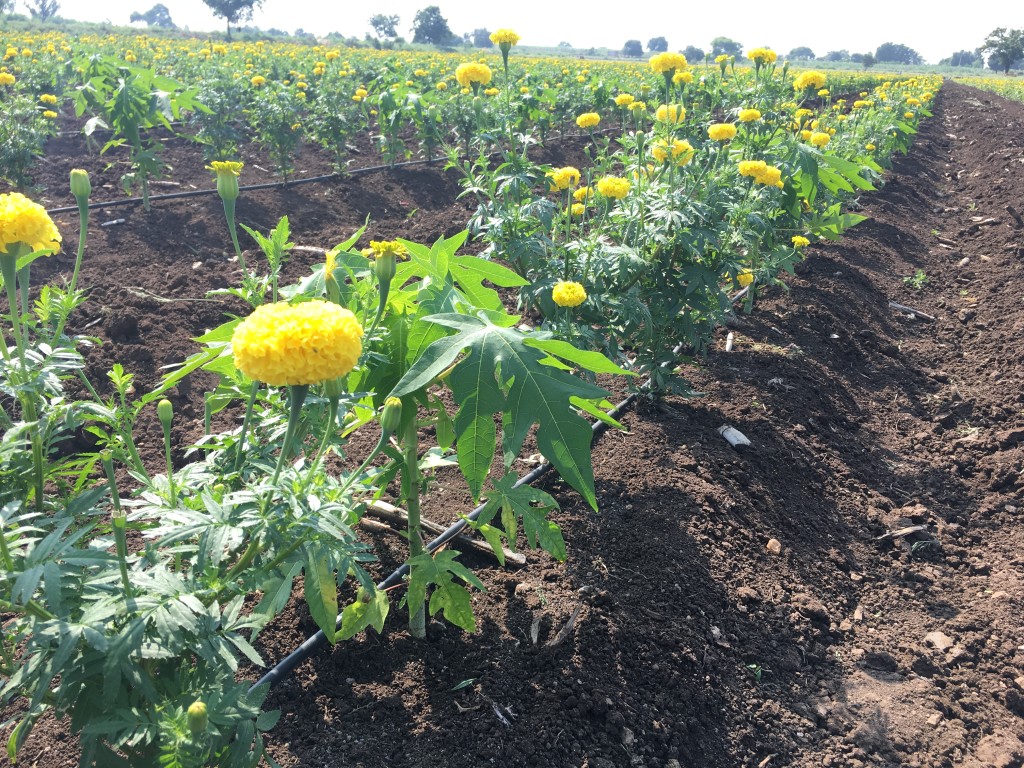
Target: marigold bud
<point>81,187</point>
<point>197,718</point>
<point>391,415</point>
<point>165,412</point>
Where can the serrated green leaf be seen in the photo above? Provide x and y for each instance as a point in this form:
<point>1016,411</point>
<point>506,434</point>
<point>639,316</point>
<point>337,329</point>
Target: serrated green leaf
<point>369,609</point>
<point>321,593</point>
<point>588,360</point>
<point>531,506</point>
<point>449,597</point>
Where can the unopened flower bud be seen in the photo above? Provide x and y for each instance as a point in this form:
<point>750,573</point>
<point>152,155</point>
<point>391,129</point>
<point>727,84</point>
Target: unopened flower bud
<point>197,718</point>
<point>81,187</point>
<point>165,412</point>
<point>391,416</point>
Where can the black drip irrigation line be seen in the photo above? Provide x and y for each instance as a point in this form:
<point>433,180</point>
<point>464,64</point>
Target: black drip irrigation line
<point>314,643</point>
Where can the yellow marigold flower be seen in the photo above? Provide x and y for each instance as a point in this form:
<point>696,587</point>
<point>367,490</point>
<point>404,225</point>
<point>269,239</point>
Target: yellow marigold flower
<point>50,114</point>
<point>442,86</point>
<point>564,178</point>
<point>301,85</point>
<point>680,150</point>
<point>288,345</point>
<point>491,92</point>
<point>332,55</point>
<point>130,57</point>
<point>908,115</point>
<point>752,168</point>
<point>568,294</point>
<point>227,172</point>
<point>862,103</point>
<point>820,139</point>
<point>624,99</point>
<point>504,37</point>
<point>772,177</point>
<point>869,147</point>
<point>749,115</point>
<point>682,77</point>
<point>472,73</point>
<point>800,242</point>
<point>722,58</point>
<point>667,62</point>
<point>614,187</point>
<point>582,194</point>
<point>588,120</point>
<point>385,248</point>
<point>258,81</point>
<point>761,172</point>
<point>48,98</point>
<point>637,106</point>
<point>578,209</point>
<point>745,278</point>
<point>26,222</point>
<point>823,92</point>
<point>762,56</point>
<point>524,90</point>
<point>722,131</point>
<point>805,135</point>
<point>807,80</point>
<point>670,113</point>
<point>6,78</point>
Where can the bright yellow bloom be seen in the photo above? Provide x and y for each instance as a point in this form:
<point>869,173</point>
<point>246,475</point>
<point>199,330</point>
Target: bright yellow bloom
<point>820,139</point>
<point>761,172</point>
<point>823,92</point>
<point>258,81</point>
<point>385,248</point>
<point>862,103</point>
<point>670,113</point>
<point>637,107</point>
<point>805,135</point>
<point>750,115</point>
<point>24,221</point>
<point>504,36</point>
<point>869,147</point>
<point>667,62</point>
<point>908,115</point>
<point>564,178</point>
<point>581,195</point>
<point>807,80</point>
<point>745,278</point>
<point>48,98</point>
<point>722,58</point>
<point>588,120</point>
<point>613,187</point>
<point>491,92</point>
<point>762,56</point>
<point>332,55</point>
<point>472,73</point>
<point>800,242</point>
<point>6,78</point>
<point>681,151</point>
<point>722,131</point>
<point>682,77</point>
<point>578,209</point>
<point>227,172</point>
<point>301,85</point>
<point>442,86</point>
<point>50,114</point>
<point>568,294</point>
<point>624,99</point>
<point>288,345</point>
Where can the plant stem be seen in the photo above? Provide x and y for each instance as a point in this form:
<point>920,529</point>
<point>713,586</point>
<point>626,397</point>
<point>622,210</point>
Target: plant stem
<point>229,214</point>
<point>314,466</point>
<point>411,494</point>
<point>172,494</point>
<point>296,399</point>
<point>245,426</point>
<point>120,520</point>
<point>83,224</point>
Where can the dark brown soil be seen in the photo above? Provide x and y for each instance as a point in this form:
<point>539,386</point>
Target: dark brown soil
<point>756,608</point>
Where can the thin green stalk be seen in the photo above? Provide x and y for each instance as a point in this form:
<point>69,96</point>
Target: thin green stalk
<point>411,494</point>
<point>296,399</point>
<point>120,521</point>
<point>314,466</point>
<point>229,213</point>
<point>9,270</point>
<point>83,223</point>
<point>245,426</point>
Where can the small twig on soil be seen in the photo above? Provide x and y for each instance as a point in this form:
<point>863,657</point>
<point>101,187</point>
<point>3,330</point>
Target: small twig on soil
<point>945,241</point>
<point>310,249</point>
<point>384,511</point>
<point>1016,216</point>
<point>911,310</point>
<point>902,532</point>
<point>566,630</point>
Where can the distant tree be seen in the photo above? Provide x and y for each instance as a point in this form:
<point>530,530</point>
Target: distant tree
<point>842,55</point>
<point>722,45</point>
<point>1004,48</point>
<point>802,53</point>
<point>657,45</point>
<point>157,16</point>
<point>564,44</point>
<point>962,59</point>
<point>6,6</point>
<point>384,26</point>
<point>898,54</point>
<point>633,48</point>
<point>42,9</point>
<point>857,58</point>
<point>429,26</point>
<point>481,38</point>
<point>232,11</point>
<point>868,60</point>
<point>693,53</point>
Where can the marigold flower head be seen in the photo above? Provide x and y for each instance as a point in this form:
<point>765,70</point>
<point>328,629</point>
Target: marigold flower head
<point>578,209</point>
<point>761,173</point>
<point>820,139</point>
<point>823,92</point>
<point>504,37</point>
<point>582,194</point>
<point>289,345</point>
<point>491,92</point>
<point>568,294</point>
<point>564,178</point>
<point>385,248</point>
<point>680,151</point>
<point>862,103</point>
<point>614,187</point>
<point>762,56</point>
<point>258,81</point>
<point>26,222</point>
<point>667,62</point>
<point>6,78</point>
<point>473,73</point>
<point>637,107</point>
<point>682,77</point>
<point>624,99</point>
<point>722,131</point>
<point>908,115</point>
<point>869,147</point>
<point>722,58</point>
<point>442,86</point>
<point>588,120</point>
<point>749,115</point>
<point>670,113</point>
<point>807,80</point>
<point>745,278</point>
<point>49,114</point>
<point>48,98</point>
<point>799,241</point>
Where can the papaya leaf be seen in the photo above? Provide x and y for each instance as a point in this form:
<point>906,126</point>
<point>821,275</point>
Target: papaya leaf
<point>449,597</point>
<point>321,593</point>
<point>499,370</point>
<point>525,503</point>
<point>369,609</point>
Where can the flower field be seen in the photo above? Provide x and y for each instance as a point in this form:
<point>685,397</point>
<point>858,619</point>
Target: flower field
<point>355,295</point>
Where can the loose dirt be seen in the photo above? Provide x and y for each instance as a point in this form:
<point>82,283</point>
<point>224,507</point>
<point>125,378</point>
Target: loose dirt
<point>844,592</point>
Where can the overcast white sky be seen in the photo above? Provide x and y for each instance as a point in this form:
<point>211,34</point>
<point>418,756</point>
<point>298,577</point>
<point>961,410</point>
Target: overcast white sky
<point>935,30</point>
